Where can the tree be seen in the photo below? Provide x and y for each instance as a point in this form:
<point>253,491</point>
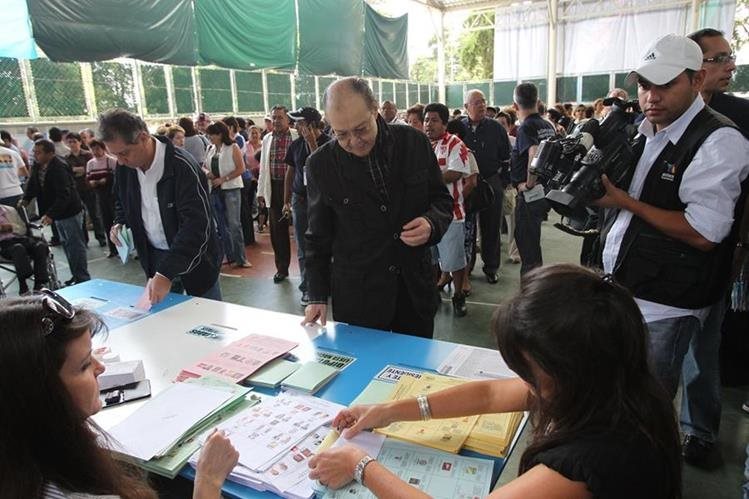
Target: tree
<point>476,50</point>
<point>741,24</point>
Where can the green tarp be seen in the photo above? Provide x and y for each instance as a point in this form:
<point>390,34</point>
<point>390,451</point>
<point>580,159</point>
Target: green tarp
<point>96,30</point>
<point>246,34</point>
<point>385,45</point>
<point>331,36</point>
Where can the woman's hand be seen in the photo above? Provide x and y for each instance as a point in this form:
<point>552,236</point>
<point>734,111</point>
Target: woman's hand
<point>334,468</point>
<point>361,417</point>
<point>216,461</point>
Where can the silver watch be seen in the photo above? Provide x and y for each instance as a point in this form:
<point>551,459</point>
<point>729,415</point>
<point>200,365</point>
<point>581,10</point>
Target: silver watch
<point>359,470</point>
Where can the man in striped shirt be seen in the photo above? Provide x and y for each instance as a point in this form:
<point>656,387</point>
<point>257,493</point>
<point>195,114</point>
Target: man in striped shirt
<point>452,158</point>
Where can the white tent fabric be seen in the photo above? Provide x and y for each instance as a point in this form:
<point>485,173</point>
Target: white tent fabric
<point>591,44</point>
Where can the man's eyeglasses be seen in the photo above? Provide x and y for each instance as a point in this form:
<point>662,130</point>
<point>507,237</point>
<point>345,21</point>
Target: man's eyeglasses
<point>58,305</point>
<point>721,59</point>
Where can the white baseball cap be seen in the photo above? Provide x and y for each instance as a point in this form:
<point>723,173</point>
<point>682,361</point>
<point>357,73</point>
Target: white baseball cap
<point>666,58</point>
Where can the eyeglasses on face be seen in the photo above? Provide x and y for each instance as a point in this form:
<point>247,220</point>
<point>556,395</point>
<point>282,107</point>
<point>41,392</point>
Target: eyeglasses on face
<point>721,59</point>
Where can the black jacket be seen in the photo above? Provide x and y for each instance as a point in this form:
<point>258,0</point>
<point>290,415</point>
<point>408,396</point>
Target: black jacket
<point>351,227</point>
<point>59,198</point>
<point>186,215</point>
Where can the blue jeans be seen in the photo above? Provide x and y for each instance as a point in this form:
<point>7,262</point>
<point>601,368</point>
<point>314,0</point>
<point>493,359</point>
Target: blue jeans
<point>669,341</point>
<point>700,403</point>
<point>299,211</point>
<point>746,474</point>
<point>233,205</point>
<point>219,213</point>
<point>72,239</point>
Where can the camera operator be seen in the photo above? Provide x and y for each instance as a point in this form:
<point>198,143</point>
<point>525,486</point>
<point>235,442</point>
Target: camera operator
<point>530,205</point>
<point>664,237</point>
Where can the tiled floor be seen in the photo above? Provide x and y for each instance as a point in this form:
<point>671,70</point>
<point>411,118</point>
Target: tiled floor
<point>255,287</point>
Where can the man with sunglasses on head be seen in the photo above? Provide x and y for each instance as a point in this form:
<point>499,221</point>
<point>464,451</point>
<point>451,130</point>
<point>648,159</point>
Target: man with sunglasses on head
<point>668,234</point>
<point>161,194</point>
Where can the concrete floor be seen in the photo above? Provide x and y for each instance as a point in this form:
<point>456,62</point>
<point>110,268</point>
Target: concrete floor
<point>474,329</point>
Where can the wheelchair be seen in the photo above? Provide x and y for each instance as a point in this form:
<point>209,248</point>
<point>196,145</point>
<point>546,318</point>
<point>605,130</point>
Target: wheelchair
<point>33,230</point>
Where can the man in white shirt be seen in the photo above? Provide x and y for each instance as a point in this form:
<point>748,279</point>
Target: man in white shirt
<point>11,167</point>
<point>162,196</point>
<point>389,111</point>
<point>668,240</point>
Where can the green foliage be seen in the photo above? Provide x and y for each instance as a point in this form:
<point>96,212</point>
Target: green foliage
<point>476,52</point>
<point>12,98</point>
<point>424,69</point>
<point>741,24</point>
<point>113,86</point>
<point>59,88</point>
<point>154,88</point>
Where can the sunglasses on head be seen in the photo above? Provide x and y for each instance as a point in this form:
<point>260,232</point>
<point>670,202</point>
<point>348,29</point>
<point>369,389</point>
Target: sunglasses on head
<point>59,306</point>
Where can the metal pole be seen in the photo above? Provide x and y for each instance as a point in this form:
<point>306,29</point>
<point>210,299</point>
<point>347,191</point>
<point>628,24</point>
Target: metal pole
<point>441,58</point>
<point>695,15</point>
<point>551,74</point>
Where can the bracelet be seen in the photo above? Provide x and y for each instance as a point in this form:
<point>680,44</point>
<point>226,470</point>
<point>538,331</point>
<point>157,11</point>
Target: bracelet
<point>359,469</point>
<point>426,413</point>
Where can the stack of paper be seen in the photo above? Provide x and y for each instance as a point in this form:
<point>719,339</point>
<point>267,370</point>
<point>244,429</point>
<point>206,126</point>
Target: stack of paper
<point>120,374</point>
<point>275,439</point>
<point>310,377</point>
<point>448,435</point>
<point>160,434</point>
<point>493,433</point>
<point>239,359</point>
<point>475,363</point>
<point>272,374</point>
<point>126,244</point>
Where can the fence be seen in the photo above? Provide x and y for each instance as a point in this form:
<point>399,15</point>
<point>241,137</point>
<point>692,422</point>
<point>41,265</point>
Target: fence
<point>579,88</point>
<point>41,91</point>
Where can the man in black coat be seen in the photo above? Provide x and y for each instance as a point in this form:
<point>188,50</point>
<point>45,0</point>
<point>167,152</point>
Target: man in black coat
<point>53,186</point>
<point>376,202</point>
<point>162,196</point>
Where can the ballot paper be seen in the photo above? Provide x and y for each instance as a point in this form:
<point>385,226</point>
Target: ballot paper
<point>475,363</point>
<point>238,360</point>
<point>288,476</point>
<point>127,245</point>
<point>265,432</point>
<point>438,474</point>
<point>161,422</point>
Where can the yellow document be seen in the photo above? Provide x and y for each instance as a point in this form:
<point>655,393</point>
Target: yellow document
<point>447,435</point>
<point>493,433</point>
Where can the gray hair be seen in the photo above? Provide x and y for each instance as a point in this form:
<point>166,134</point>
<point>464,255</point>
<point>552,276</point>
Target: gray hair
<point>472,91</point>
<point>120,123</point>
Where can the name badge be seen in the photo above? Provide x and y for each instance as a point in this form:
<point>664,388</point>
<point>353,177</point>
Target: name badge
<point>534,194</point>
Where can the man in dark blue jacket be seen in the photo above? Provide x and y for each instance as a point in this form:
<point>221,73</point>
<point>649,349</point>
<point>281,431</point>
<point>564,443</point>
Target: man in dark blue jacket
<point>162,196</point>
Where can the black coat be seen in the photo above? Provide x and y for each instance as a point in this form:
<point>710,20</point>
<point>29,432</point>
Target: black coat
<point>59,198</point>
<point>353,251</point>
<point>186,216</point>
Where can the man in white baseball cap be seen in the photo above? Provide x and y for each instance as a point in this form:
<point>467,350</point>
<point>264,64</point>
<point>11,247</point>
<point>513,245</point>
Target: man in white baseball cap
<point>668,235</point>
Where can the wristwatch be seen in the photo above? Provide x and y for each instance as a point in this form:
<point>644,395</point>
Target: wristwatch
<point>359,470</point>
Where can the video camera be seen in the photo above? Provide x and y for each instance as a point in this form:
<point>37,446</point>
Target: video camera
<point>571,167</point>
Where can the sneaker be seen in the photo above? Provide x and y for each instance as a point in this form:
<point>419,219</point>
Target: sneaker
<point>71,281</point>
<point>279,277</point>
<point>305,299</point>
<point>459,305</point>
<point>745,407</point>
<point>492,277</point>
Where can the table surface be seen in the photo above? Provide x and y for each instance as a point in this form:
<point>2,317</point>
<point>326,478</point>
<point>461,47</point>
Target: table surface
<point>161,341</point>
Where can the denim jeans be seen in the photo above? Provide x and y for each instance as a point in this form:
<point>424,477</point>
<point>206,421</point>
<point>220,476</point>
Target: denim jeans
<point>746,474</point>
<point>71,237</point>
<point>219,213</point>
<point>669,341</point>
<point>299,211</point>
<point>700,402</point>
<point>233,205</point>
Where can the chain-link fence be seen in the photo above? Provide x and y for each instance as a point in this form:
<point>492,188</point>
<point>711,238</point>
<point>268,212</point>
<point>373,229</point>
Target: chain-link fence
<point>44,91</point>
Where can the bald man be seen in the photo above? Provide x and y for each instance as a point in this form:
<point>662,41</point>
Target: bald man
<point>376,202</point>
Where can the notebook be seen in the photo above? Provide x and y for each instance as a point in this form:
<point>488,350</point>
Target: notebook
<point>271,375</point>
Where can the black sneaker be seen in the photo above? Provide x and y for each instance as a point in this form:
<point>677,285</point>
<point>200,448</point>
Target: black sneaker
<point>279,277</point>
<point>459,305</point>
<point>492,277</point>
<point>305,299</point>
<point>71,281</point>
<point>696,451</point>
<point>745,407</point>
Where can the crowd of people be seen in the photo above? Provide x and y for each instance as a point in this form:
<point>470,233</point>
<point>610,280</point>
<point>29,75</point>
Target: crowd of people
<point>387,211</point>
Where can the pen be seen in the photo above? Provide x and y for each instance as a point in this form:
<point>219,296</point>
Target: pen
<point>97,298</point>
<point>222,326</point>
